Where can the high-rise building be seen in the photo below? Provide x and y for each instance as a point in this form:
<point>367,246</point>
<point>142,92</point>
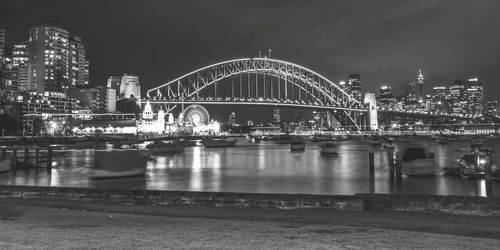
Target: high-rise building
<point>111,100</point>
<point>420,82</point>
<point>49,60</point>
<point>130,88</point>
<point>491,108</point>
<point>94,98</point>
<point>457,98</point>
<point>386,99</point>
<point>2,45</point>
<point>411,91</point>
<point>354,86</point>
<point>114,82</point>
<point>20,60</point>
<point>475,97</point>
<point>438,103</point>
<point>79,66</point>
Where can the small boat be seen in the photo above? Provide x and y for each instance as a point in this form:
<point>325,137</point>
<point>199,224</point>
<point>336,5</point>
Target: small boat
<point>159,147</point>
<point>473,164</point>
<point>5,164</point>
<point>218,143</point>
<point>285,139</point>
<point>417,161</point>
<point>442,140</point>
<point>389,144</point>
<point>118,163</point>
<point>298,145</point>
<point>327,148</point>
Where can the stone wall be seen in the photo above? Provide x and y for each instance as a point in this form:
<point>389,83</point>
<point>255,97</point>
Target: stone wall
<point>470,205</point>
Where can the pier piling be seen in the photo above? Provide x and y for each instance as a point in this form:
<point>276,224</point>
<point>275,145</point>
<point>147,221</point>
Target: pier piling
<point>390,157</point>
<point>371,159</point>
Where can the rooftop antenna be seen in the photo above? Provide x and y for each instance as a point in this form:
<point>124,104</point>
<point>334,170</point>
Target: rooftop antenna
<point>260,54</point>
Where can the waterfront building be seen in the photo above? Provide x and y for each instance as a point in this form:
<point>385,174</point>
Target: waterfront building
<point>78,65</point>
<point>151,123</point>
<point>34,105</point>
<point>438,100</point>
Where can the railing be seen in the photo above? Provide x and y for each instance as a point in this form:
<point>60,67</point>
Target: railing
<point>30,158</point>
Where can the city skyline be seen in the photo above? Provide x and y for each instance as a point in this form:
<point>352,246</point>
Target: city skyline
<point>400,44</point>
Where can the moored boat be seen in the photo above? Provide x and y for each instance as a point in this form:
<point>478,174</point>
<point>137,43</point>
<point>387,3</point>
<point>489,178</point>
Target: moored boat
<point>327,148</point>
<point>298,145</point>
<point>218,143</point>
<point>474,164</point>
<point>159,147</point>
<point>118,163</point>
<point>416,160</point>
<point>5,164</point>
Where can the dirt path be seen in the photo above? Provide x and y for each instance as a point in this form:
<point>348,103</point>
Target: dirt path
<point>72,224</point>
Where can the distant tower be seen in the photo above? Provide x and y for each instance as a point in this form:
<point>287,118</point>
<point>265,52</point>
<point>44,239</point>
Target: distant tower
<point>420,82</point>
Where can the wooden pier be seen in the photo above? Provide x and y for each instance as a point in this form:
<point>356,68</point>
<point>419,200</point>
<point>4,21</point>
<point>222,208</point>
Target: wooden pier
<point>30,157</point>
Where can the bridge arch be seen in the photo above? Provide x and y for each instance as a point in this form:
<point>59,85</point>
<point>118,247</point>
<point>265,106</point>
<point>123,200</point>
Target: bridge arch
<point>289,83</point>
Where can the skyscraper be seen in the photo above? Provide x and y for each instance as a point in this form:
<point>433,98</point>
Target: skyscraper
<point>411,91</point>
<point>49,60</point>
<point>79,66</point>
<point>420,82</point>
<point>355,86</point>
<point>475,97</point>
<point>20,60</point>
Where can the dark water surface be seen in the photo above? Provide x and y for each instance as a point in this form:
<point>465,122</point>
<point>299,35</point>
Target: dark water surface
<point>266,168</point>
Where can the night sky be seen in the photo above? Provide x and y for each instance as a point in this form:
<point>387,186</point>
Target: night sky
<point>386,41</point>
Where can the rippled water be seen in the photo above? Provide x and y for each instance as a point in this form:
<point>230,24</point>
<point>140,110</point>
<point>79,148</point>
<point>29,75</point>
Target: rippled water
<point>266,167</point>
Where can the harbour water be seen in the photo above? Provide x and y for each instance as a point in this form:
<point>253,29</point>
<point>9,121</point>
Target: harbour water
<point>267,167</point>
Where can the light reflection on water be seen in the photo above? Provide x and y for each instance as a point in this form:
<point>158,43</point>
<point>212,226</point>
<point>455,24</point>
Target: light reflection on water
<point>265,167</point>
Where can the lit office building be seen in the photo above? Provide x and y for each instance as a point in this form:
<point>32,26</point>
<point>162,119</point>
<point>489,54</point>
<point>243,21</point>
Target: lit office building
<point>49,60</point>
<point>457,98</point>
<point>474,97</point>
<point>94,98</point>
<point>79,66</point>
<point>276,116</point>
<point>354,86</point>
<point>130,88</point>
<point>491,108</point>
<point>20,60</point>
<point>386,99</point>
<point>411,91</point>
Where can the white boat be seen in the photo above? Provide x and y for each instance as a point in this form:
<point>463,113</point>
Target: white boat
<point>165,147</point>
<point>5,164</point>
<point>297,145</point>
<point>416,161</point>
<point>218,143</point>
<point>328,148</point>
<point>118,163</point>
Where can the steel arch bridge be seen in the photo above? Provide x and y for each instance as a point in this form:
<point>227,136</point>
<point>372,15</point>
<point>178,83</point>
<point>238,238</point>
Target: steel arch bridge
<point>260,81</point>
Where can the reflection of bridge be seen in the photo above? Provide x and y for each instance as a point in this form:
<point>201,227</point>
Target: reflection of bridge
<point>261,81</point>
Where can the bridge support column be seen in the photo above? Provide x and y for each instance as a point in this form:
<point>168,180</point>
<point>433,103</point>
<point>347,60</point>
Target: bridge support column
<point>371,100</point>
